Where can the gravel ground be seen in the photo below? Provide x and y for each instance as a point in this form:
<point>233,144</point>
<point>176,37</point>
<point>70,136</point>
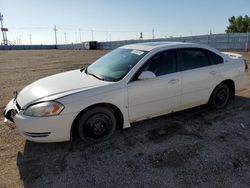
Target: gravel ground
<point>198,147</point>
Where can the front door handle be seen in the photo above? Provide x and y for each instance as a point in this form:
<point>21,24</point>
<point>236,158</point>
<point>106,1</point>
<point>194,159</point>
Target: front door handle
<point>173,81</point>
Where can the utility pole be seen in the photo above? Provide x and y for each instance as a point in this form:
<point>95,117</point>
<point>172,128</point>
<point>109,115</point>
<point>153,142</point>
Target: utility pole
<point>153,33</point>
<point>107,36</point>
<point>1,19</point>
<point>55,30</point>
<point>141,37</point>
<point>5,40</point>
<point>210,32</point>
<point>80,36</point>
<point>30,39</point>
<point>65,37</point>
<point>76,37</point>
<point>92,32</point>
<point>20,40</point>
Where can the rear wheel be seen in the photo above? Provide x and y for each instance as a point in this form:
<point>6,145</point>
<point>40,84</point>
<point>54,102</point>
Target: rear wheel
<point>96,125</point>
<point>220,96</point>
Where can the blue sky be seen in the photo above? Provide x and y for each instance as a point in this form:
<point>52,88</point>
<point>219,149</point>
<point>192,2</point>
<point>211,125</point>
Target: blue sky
<point>115,19</point>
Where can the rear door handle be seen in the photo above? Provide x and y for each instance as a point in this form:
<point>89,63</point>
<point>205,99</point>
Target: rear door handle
<point>213,72</point>
<point>173,81</point>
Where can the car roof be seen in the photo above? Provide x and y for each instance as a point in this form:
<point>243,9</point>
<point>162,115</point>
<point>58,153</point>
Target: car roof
<point>149,46</point>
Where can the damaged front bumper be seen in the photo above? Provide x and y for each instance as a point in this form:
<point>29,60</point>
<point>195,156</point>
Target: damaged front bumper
<point>10,111</point>
<point>38,129</point>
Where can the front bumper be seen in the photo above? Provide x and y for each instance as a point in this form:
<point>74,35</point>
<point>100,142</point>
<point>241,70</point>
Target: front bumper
<point>10,111</point>
<point>40,129</point>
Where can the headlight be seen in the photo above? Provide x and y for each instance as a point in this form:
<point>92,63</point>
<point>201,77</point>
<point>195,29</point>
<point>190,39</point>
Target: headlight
<point>50,108</point>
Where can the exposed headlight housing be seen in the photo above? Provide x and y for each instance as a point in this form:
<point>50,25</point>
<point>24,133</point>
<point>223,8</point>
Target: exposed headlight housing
<point>43,109</point>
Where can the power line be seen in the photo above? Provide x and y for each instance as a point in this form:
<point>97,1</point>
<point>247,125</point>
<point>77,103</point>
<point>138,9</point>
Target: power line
<point>30,28</point>
<point>86,30</point>
<point>79,30</point>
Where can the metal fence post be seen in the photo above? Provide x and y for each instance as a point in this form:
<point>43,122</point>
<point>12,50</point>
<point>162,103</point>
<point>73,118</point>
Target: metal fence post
<point>247,42</point>
<point>227,42</point>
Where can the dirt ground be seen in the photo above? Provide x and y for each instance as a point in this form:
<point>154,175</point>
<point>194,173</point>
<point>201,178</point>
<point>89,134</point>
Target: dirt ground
<point>193,148</point>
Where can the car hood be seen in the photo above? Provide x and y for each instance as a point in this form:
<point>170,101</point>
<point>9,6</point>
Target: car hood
<point>56,86</point>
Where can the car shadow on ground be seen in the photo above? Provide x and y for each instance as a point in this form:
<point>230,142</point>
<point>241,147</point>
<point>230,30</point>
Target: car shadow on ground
<point>197,147</point>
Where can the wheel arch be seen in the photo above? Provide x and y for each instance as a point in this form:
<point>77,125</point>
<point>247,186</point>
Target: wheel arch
<point>231,85</point>
<point>117,111</point>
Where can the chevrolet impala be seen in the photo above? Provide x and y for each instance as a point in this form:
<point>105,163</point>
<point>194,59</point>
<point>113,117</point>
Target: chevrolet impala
<point>129,84</point>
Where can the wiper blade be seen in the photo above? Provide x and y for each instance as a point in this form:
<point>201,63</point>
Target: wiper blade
<point>96,76</point>
<point>83,69</point>
<point>86,72</point>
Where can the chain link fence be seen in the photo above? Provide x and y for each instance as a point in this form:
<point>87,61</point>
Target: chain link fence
<point>232,41</point>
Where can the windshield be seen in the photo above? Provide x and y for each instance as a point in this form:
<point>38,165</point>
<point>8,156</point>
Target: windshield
<point>116,64</point>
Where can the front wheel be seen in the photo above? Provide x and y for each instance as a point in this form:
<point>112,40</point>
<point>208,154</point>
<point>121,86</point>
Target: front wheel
<point>219,97</point>
<point>96,125</point>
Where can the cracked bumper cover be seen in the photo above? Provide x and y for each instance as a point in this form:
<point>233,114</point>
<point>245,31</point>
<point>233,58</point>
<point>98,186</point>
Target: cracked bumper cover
<point>10,111</point>
<point>39,129</point>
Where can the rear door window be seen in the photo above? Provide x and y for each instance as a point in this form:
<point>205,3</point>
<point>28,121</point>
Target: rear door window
<point>215,58</point>
<point>193,58</point>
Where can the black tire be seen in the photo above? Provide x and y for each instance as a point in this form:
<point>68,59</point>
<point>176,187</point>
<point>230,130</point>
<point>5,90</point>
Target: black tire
<point>96,125</point>
<point>219,97</point>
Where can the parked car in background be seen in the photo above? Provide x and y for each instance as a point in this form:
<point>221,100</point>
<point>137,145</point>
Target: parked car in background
<point>129,84</point>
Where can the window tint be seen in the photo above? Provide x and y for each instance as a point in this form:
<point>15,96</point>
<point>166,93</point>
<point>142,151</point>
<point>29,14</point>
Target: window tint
<point>216,58</point>
<point>162,63</point>
<point>194,58</point>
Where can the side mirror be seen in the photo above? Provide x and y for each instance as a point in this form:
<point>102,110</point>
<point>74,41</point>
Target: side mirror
<point>146,75</point>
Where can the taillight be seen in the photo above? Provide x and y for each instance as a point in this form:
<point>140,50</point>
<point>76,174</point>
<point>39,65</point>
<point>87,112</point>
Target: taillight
<point>246,66</point>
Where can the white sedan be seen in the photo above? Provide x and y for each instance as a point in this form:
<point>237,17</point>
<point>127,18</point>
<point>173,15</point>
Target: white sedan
<point>129,84</point>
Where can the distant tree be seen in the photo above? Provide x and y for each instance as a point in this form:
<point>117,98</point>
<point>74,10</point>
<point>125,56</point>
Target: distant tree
<point>239,24</point>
